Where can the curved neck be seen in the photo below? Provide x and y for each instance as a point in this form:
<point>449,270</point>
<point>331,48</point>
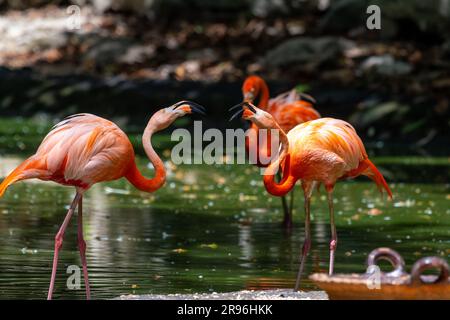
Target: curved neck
<point>263,95</point>
<point>287,181</point>
<point>135,176</point>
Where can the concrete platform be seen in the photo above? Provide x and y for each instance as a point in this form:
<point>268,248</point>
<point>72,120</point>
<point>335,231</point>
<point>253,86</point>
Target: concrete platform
<point>279,294</point>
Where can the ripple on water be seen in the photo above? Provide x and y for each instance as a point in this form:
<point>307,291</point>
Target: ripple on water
<point>224,228</point>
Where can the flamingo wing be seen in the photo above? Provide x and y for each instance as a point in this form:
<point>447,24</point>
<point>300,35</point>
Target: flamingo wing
<point>292,108</point>
<point>331,149</point>
<point>85,148</point>
<point>292,96</point>
<point>291,114</point>
<point>327,143</point>
<point>80,150</point>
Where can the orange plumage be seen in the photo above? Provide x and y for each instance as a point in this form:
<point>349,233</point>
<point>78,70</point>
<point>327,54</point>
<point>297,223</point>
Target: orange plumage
<point>320,151</point>
<point>325,150</point>
<point>85,149</point>
<point>288,109</point>
<point>80,151</point>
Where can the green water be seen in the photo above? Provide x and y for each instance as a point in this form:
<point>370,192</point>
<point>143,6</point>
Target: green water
<point>211,228</point>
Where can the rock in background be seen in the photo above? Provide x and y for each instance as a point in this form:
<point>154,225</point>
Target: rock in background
<point>391,83</point>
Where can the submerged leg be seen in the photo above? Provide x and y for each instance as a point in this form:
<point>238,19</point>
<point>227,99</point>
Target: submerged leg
<point>82,248</point>
<point>307,189</point>
<point>333,242</point>
<point>287,218</point>
<point>59,241</point>
<point>291,205</point>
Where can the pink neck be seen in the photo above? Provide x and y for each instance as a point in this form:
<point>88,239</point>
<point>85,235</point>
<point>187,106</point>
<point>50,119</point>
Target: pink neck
<point>285,185</point>
<point>135,176</point>
<point>288,181</point>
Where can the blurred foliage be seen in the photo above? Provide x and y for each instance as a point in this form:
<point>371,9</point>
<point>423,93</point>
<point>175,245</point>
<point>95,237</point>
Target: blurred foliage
<point>143,54</point>
<point>25,4</point>
<point>399,17</point>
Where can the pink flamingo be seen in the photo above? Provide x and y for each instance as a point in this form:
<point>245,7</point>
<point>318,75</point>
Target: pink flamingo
<point>318,151</point>
<point>288,109</point>
<point>85,149</point>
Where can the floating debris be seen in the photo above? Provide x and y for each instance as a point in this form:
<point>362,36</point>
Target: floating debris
<point>209,245</point>
<point>408,203</point>
<point>221,180</point>
<point>257,210</point>
<point>166,153</point>
<point>245,197</point>
<point>374,212</point>
<point>25,250</point>
<point>109,190</point>
<point>191,196</point>
<point>179,250</point>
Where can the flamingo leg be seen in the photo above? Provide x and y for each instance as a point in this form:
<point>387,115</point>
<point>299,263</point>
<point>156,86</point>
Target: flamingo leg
<point>59,241</point>
<point>307,242</point>
<point>333,242</point>
<point>291,206</point>
<point>82,248</point>
<point>287,217</point>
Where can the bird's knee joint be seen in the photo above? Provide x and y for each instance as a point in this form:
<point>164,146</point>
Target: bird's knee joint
<point>59,240</point>
<point>333,244</point>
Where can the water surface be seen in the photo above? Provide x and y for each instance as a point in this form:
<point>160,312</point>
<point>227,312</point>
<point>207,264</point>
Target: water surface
<point>211,228</point>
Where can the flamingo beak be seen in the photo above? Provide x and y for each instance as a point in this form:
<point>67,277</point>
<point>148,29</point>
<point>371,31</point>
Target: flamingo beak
<point>246,109</point>
<point>247,113</point>
<point>190,107</point>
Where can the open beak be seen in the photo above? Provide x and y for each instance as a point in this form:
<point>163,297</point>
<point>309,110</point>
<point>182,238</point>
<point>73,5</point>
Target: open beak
<point>190,107</point>
<point>246,109</point>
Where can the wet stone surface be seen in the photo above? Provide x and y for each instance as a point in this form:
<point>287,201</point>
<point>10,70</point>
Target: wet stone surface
<point>279,294</point>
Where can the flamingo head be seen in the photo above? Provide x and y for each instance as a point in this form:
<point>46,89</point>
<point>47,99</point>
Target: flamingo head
<point>252,88</point>
<point>166,116</point>
<point>259,117</point>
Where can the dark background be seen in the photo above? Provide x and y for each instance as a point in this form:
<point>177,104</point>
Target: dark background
<point>130,58</point>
